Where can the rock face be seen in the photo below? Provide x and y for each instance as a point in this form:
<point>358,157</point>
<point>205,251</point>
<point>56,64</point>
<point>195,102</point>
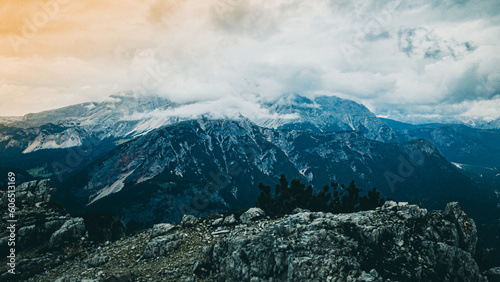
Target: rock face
<point>71,231</point>
<point>251,214</point>
<point>44,229</point>
<point>30,193</point>
<point>398,242</point>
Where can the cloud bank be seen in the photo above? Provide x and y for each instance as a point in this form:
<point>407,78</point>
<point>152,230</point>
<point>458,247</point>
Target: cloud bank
<point>397,58</point>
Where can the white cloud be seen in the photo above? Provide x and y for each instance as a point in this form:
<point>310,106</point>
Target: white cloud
<point>420,57</point>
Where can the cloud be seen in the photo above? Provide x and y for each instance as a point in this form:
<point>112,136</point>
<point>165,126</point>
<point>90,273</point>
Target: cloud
<point>423,57</point>
<point>424,43</point>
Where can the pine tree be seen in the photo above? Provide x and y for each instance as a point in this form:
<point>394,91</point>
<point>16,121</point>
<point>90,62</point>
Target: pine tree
<point>297,195</point>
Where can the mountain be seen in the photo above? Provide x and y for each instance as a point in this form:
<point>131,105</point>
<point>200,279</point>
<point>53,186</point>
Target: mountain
<point>475,151</point>
<point>42,143</point>
<point>474,122</point>
<point>59,142</point>
<point>50,150</point>
<point>203,166</point>
<point>494,124</point>
<point>325,114</point>
<point>126,115</point>
<point>117,117</point>
<point>125,156</point>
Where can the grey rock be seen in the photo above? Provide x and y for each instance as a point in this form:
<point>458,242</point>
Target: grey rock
<point>218,222</point>
<point>37,191</point>
<point>397,242</point>
<point>251,214</point>
<point>493,274</point>
<point>97,260</point>
<point>189,220</point>
<point>229,220</point>
<point>71,231</point>
<point>466,227</point>
<point>35,234</point>
<point>299,210</point>
<point>161,246</point>
<point>161,229</point>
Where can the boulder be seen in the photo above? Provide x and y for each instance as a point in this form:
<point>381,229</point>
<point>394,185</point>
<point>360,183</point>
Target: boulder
<point>161,246</point>
<point>251,214</point>
<point>161,229</point>
<point>70,232</point>
<point>189,220</point>
<point>493,274</point>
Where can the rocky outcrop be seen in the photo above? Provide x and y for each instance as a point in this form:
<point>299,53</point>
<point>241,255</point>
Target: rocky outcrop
<point>493,274</point>
<point>397,242</point>
<point>45,233</point>
<point>30,193</point>
<point>37,217</point>
<point>71,231</point>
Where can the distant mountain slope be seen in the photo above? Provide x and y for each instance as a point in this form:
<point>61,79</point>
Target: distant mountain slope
<point>326,114</point>
<point>35,141</point>
<point>474,122</point>
<point>161,175</point>
<point>127,115</point>
<point>116,117</point>
<point>475,151</point>
<point>50,151</point>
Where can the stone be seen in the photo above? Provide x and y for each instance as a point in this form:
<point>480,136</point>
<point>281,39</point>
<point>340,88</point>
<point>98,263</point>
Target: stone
<point>30,193</point>
<point>314,246</point>
<point>71,231</point>
<point>97,260</point>
<point>161,229</point>
<point>218,222</point>
<point>466,227</point>
<point>189,220</point>
<point>251,214</point>
<point>161,246</point>
<point>493,274</point>
<point>229,220</point>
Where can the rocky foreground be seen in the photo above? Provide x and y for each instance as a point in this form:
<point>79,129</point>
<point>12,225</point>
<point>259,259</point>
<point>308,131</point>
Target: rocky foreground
<point>397,242</point>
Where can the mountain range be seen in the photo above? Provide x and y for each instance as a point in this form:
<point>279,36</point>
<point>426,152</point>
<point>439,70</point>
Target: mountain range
<point>133,156</point>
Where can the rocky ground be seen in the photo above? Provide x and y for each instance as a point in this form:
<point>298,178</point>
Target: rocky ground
<point>397,242</point>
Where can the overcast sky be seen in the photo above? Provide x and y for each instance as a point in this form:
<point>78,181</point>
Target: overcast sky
<point>396,57</point>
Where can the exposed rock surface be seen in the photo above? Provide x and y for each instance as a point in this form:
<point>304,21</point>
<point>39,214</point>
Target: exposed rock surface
<point>45,234</point>
<point>30,193</point>
<point>71,231</point>
<point>397,242</point>
<point>251,214</point>
<point>493,274</point>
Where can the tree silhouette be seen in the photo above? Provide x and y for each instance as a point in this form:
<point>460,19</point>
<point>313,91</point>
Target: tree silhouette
<point>287,197</point>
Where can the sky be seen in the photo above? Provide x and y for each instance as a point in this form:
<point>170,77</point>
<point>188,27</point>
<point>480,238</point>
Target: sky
<point>398,58</point>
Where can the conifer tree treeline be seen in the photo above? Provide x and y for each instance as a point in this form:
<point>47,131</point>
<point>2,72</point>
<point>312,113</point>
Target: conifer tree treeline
<point>287,197</point>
